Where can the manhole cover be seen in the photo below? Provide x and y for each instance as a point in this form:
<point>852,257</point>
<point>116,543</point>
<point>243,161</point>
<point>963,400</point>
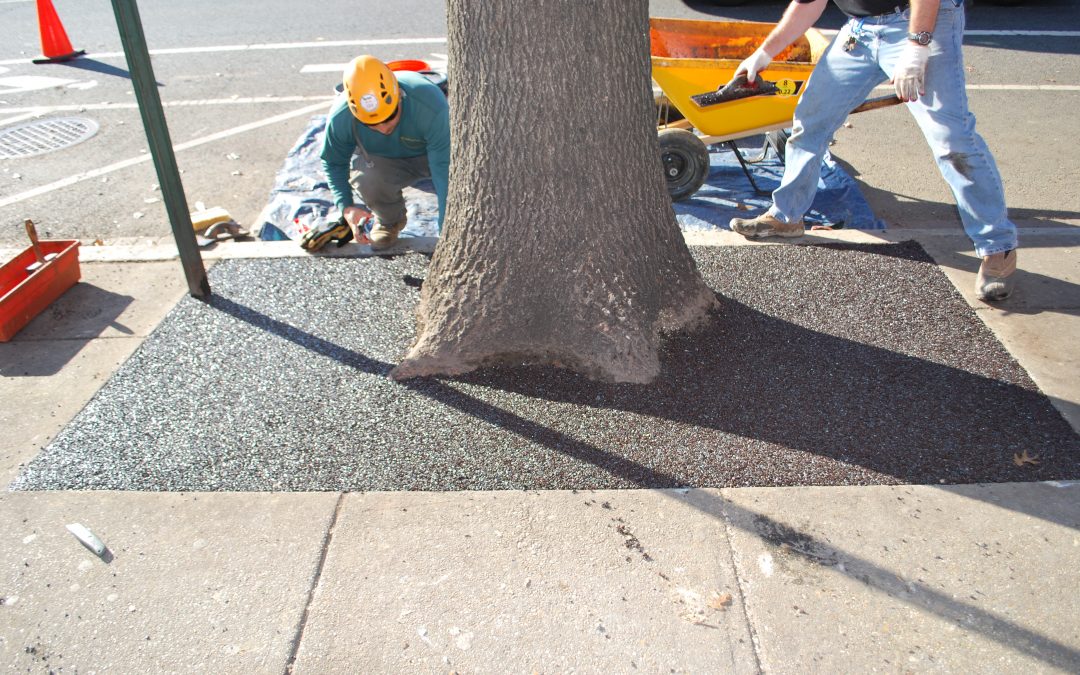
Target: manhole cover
<point>41,136</point>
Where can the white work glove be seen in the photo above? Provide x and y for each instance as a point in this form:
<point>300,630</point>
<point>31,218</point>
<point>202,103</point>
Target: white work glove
<point>754,64</point>
<point>909,76</point>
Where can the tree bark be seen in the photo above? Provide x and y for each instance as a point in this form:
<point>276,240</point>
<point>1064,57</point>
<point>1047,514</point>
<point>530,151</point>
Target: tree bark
<point>560,245</point>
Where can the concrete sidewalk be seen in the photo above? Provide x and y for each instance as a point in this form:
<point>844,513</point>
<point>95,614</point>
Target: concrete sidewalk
<point>976,578</point>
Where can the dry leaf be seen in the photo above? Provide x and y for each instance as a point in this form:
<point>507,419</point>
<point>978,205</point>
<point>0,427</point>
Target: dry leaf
<point>719,600</point>
<point>1024,458</point>
<point>742,207</point>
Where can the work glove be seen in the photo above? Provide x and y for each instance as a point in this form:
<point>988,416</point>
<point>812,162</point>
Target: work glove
<point>909,76</point>
<point>326,232</point>
<point>754,64</point>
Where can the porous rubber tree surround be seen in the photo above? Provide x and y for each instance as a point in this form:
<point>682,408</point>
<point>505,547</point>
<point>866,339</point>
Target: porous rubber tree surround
<point>560,245</point>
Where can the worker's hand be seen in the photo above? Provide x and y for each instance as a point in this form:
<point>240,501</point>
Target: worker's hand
<point>909,77</point>
<point>354,215</point>
<point>754,64</point>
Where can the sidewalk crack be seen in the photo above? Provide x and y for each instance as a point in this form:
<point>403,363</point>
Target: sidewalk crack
<point>740,587</point>
<point>299,636</point>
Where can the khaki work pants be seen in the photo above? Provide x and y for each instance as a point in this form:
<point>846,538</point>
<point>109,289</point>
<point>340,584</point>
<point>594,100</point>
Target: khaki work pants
<point>380,184</point>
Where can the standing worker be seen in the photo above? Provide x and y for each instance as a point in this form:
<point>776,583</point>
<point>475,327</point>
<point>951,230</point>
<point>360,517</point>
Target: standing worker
<point>389,130</point>
<point>916,45</point>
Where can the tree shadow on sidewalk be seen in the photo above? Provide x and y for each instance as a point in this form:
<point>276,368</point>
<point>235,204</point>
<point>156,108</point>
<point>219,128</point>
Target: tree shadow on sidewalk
<point>810,549</point>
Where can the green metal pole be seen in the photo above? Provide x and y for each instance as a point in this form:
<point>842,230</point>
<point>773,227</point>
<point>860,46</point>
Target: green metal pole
<point>157,133</point>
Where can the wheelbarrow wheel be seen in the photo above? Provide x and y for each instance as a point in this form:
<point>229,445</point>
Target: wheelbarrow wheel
<point>686,162</point>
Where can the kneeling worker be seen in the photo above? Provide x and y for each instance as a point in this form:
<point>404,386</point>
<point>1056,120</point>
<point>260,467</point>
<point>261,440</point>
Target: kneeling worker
<point>390,130</point>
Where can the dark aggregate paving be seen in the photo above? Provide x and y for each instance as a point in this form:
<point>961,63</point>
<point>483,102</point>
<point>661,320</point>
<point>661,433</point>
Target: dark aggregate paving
<point>825,365</point>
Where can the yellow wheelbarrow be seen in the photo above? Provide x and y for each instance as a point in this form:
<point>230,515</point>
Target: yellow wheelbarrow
<point>693,64</point>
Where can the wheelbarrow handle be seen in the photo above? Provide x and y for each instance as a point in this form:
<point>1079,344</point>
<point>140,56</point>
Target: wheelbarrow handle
<point>875,103</point>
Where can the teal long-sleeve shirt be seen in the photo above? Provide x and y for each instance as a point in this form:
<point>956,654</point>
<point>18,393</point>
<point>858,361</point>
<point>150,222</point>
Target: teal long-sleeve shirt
<point>424,129</point>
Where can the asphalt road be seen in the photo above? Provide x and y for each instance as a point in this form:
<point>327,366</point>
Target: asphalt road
<point>239,80</point>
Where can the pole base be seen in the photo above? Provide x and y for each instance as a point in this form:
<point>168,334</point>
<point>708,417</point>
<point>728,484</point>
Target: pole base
<point>60,59</point>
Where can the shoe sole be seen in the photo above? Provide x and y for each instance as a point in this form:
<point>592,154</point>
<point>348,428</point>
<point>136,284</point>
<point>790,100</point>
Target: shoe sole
<point>762,235</point>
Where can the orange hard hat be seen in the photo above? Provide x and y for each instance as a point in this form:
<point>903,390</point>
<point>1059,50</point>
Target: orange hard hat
<point>371,88</point>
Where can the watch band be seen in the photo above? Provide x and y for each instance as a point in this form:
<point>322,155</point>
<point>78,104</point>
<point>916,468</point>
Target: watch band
<point>923,38</point>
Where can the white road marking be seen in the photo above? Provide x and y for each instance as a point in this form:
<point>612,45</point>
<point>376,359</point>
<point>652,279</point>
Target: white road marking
<point>438,40</point>
<point>1033,33</point>
<point>1025,87</point>
<point>238,100</point>
<point>264,47</point>
<point>993,33</point>
<point>18,84</point>
<point>323,68</point>
<point>30,111</point>
<point>116,166</point>
<point>1006,87</point>
<point>20,118</point>
<point>438,63</point>
<point>441,62</point>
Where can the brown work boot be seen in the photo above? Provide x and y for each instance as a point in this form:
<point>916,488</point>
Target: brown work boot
<point>766,226</point>
<point>384,236</point>
<point>994,281</point>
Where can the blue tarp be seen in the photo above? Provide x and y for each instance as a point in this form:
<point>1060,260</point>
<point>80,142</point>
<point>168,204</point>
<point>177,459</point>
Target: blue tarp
<point>301,197</point>
<point>838,202</point>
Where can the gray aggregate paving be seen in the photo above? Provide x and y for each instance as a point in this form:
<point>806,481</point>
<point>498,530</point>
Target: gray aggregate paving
<point>825,365</point>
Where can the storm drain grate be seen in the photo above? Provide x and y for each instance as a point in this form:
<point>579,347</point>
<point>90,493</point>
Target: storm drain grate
<point>41,136</point>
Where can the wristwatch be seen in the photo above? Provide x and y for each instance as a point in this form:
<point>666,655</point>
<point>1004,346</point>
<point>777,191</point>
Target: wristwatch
<point>922,38</point>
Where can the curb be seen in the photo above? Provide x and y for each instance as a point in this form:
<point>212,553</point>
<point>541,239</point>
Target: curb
<point>141,249</point>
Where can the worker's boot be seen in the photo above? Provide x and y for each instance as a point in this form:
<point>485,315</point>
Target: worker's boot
<point>766,225</point>
<point>384,236</point>
<point>995,278</point>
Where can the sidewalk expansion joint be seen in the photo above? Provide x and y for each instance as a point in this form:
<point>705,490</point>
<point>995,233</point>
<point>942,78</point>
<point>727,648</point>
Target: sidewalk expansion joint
<point>740,587</point>
<point>327,540</point>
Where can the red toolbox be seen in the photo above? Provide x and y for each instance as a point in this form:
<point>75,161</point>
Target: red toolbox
<point>23,295</point>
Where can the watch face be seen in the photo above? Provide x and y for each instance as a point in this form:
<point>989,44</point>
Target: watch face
<point>922,38</point>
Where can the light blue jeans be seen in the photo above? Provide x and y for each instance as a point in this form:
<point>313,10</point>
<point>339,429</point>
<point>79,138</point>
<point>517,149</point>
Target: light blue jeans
<point>843,79</point>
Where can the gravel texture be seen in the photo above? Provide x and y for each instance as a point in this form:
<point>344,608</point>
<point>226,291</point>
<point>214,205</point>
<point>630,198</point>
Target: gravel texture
<point>825,365</point>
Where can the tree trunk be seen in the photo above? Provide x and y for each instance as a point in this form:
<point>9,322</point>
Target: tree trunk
<point>560,245</point>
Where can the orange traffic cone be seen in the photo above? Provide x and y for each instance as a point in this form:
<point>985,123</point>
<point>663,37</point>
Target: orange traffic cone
<point>54,40</point>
